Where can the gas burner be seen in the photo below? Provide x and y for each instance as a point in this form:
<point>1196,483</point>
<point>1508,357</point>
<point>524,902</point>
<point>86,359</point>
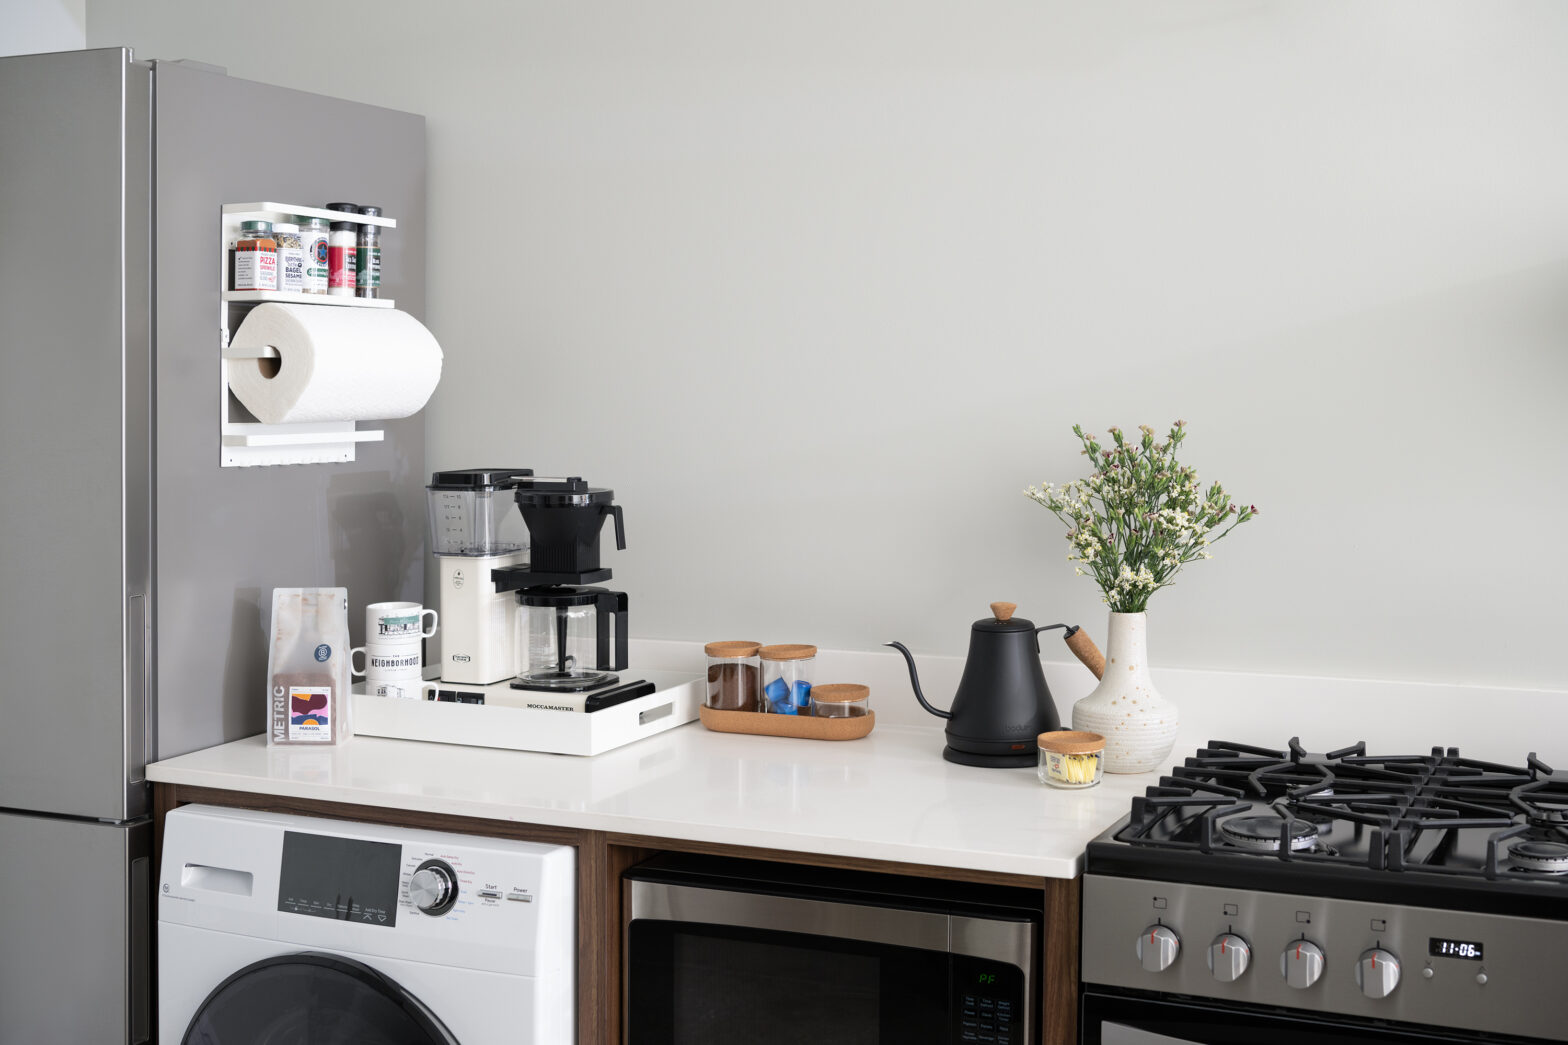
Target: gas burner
<point>1262,834</point>
<point>1539,857</point>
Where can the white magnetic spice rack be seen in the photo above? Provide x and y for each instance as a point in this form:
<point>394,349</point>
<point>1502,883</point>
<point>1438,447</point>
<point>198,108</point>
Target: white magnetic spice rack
<point>247,442</point>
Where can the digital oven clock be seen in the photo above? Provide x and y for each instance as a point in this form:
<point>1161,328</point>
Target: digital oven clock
<point>1440,947</point>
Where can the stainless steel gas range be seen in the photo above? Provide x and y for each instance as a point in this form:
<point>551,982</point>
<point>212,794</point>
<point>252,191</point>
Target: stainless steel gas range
<point>1261,895</point>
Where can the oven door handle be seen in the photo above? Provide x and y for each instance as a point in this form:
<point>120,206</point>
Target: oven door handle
<point>994,939</point>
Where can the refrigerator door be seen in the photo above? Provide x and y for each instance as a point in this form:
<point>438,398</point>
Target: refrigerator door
<point>228,536</point>
<point>75,541</point>
<point>77,948</point>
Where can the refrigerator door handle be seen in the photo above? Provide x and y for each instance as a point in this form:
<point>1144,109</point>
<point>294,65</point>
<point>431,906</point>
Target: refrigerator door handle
<point>138,705</point>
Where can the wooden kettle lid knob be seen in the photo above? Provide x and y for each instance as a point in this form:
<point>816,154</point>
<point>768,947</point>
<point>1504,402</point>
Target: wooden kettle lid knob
<point>1003,610</point>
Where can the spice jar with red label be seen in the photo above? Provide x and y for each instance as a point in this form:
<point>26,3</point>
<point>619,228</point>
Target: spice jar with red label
<point>341,252</point>
<point>254,263</point>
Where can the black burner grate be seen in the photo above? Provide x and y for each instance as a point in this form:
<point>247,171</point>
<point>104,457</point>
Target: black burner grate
<point>1439,812</point>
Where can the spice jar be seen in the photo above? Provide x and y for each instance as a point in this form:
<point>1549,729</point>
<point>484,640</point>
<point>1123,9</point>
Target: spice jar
<point>341,244</point>
<point>367,257</point>
<point>786,678</point>
<point>841,700</point>
<point>313,234</point>
<point>734,676</point>
<point>1071,758</point>
<point>255,257</point>
<point>291,257</point>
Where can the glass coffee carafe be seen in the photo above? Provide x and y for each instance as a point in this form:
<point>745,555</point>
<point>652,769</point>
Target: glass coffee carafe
<point>571,638</point>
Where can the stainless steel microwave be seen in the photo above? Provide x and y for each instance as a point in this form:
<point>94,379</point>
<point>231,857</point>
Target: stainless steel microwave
<point>722,951</point>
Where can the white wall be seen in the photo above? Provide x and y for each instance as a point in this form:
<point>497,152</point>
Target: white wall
<point>38,26</point>
<point>819,287</point>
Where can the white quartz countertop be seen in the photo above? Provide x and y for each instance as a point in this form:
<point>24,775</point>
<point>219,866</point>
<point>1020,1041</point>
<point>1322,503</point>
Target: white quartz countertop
<point>889,796</point>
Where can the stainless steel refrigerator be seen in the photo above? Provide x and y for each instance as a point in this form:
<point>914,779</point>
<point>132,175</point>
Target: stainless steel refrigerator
<point>135,570</point>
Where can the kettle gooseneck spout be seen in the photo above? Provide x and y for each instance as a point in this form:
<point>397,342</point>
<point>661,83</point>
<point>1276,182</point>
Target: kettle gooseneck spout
<point>914,680</point>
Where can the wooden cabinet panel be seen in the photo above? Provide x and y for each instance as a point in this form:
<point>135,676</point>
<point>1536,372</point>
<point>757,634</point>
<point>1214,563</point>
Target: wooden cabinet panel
<point>603,857</point>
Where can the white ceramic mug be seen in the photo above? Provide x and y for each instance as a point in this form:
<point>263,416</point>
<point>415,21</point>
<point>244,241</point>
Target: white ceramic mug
<point>385,663</point>
<point>389,623</point>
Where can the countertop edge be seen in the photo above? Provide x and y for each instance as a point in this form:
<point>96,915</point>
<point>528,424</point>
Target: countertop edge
<point>678,830</point>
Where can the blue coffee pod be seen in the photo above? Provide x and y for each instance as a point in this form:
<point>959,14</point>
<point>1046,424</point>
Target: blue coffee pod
<point>800,696</point>
<point>777,693</point>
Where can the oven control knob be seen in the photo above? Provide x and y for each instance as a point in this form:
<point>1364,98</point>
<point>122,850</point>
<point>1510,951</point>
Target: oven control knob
<point>1301,964</point>
<point>433,887</point>
<point>1377,973</point>
<point>1229,957</point>
<point>1157,948</point>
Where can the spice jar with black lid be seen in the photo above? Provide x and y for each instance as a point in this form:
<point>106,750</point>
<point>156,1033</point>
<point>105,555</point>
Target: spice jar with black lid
<point>341,246</point>
<point>367,257</point>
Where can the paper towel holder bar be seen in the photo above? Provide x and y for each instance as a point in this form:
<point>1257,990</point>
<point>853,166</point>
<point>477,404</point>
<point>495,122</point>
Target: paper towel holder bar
<point>326,433</point>
<point>259,352</point>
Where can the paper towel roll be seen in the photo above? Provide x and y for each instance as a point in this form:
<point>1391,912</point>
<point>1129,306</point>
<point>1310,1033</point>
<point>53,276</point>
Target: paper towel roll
<point>335,363</point>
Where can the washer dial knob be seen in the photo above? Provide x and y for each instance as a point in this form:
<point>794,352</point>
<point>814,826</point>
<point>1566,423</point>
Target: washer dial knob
<point>1229,957</point>
<point>1377,973</point>
<point>433,887</point>
<point>1301,964</point>
<point>1158,947</point>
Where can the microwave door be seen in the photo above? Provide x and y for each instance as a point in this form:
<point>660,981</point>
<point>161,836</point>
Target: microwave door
<point>709,966</point>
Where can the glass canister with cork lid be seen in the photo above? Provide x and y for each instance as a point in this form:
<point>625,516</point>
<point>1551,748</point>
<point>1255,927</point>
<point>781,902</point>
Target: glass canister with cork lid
<point>1071,758</point>
<point>734,676</point>
<point>786,678</point>
<point>841,700</point>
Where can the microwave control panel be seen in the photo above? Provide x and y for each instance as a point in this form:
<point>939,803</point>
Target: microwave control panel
<point>988,1002</point>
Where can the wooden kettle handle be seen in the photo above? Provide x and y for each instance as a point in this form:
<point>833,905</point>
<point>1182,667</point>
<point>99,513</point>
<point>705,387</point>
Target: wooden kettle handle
<point>1084,649</point>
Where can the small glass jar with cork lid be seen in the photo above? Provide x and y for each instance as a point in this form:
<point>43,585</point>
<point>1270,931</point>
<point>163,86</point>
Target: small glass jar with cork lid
<point>841,700</point>
<point>786,678</point>
<point>734,676</point>
<point>1071,758</point>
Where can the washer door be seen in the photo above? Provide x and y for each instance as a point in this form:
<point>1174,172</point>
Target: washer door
<point>313,999</point>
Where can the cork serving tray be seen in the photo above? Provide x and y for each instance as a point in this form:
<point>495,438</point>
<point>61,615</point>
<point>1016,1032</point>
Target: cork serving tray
<point>803,727</point>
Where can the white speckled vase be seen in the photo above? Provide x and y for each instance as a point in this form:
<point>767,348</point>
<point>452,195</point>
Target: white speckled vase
<point>1138,724</point>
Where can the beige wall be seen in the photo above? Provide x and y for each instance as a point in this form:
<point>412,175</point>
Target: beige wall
<point>819,287</point>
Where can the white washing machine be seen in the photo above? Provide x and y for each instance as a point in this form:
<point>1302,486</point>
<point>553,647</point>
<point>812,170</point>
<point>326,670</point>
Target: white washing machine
<point>280,930</point>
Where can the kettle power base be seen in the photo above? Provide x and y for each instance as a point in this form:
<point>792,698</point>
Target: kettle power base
<point>1028,759</point>
<point>503,721</point>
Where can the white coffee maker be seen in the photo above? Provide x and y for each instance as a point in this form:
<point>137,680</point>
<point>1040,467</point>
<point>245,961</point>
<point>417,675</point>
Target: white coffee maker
<point>475,528</point>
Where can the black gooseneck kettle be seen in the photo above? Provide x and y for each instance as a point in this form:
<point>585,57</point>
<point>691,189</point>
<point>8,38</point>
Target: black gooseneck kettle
<point>1003,703</point>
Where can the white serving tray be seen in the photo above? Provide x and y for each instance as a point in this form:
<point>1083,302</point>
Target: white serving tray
<point>503,722</point>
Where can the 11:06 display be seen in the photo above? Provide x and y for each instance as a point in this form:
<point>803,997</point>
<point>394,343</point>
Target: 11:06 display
<point>1466,949</point>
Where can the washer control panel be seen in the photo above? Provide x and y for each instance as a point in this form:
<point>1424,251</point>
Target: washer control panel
<point>345,879</point>
<point>1479,972</point>
<point>311,882</point>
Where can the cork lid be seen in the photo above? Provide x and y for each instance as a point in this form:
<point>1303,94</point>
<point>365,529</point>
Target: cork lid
<point>1071,742</point>
<point>788,652</point>
<point>732,649</point>
<point>839,692</point>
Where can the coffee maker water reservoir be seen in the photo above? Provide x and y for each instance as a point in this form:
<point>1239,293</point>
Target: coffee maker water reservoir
<point>475,530</point>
